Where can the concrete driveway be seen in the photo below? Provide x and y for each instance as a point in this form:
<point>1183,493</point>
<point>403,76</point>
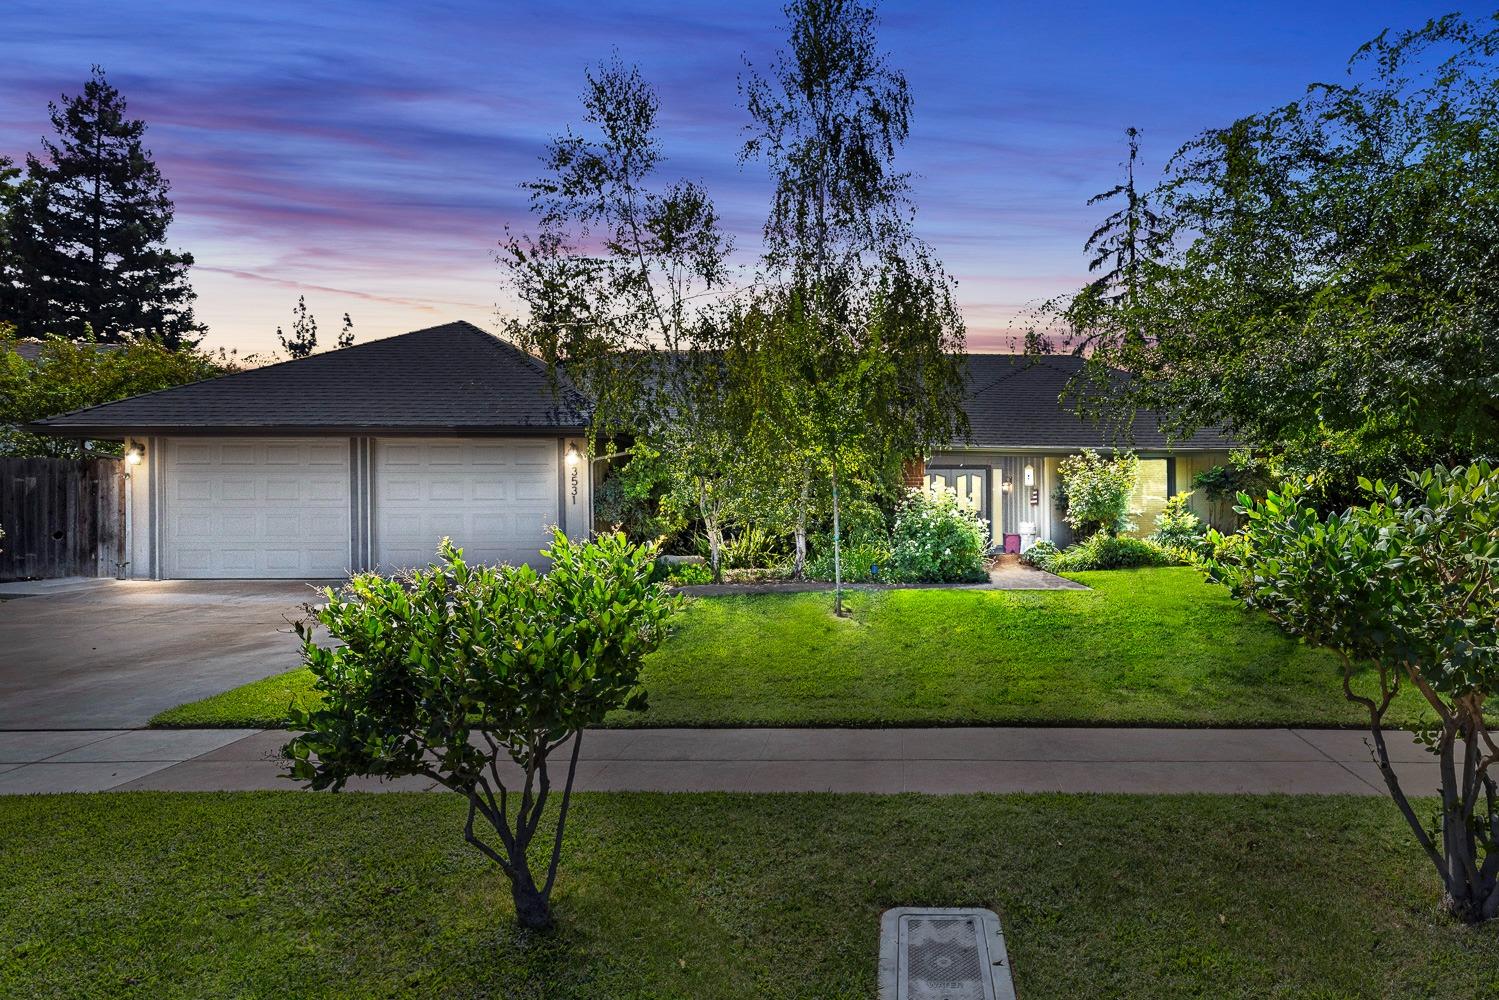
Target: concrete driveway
<point>110,654</point>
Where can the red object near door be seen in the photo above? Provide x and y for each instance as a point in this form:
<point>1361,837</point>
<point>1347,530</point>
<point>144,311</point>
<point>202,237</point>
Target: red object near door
<point>1012,544</point>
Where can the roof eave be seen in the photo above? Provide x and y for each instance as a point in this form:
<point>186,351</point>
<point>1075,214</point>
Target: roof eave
<point>117,432</point>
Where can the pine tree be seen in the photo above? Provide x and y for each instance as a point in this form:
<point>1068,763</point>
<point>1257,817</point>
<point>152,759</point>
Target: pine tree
<point>88,254</point>
<point>303,339</point>
<point>1129,240</point>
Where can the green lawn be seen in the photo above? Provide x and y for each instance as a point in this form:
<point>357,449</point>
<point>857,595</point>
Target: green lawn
<point>1144,646</point>
<point>700,896</point>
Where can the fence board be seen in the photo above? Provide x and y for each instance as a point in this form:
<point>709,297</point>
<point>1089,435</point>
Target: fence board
<point>62,517</point>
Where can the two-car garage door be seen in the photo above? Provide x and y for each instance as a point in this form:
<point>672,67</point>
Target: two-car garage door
<point>283,508</point>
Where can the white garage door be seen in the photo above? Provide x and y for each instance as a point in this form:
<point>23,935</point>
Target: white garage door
<point>255,508</point>
<point>496,498</point>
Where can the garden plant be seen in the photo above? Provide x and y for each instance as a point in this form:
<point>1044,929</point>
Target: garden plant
<point>1407,583</point>
<point>474,676</point>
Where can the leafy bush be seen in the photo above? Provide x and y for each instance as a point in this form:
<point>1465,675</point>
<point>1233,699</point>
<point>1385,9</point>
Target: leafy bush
<point>1042,554</point>
<point>1177,528</point>
<point>863,562</point>
<point>1243,473</point>
<point>1098,491</point>
<point>1106,551</point>
<point>1410,584</point>
<point>936,540</point>
<point>458,672</point>
<point>755,547</point>
<point>681,574</point>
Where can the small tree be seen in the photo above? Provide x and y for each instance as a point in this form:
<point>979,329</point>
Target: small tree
<point>303,339</point>
<point>1407,584</point>
<point>447,673</point>
<point>1098,491</point>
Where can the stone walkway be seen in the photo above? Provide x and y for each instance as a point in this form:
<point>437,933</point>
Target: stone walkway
<point>941,761</point>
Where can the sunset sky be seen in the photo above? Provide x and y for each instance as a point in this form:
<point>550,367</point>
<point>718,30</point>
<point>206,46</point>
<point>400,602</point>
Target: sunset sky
<point>369,154</point>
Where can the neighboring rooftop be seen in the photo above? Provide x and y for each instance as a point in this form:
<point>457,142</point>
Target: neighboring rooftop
<point>1015,401</point>
<point>30,348</point>
<point>453,378</point>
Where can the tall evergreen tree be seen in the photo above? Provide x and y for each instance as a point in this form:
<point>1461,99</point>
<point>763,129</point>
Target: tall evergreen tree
<point>88,253</point>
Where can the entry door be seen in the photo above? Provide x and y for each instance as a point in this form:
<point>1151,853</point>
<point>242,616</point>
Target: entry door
<point>496,498</point>
<point>971,485</point>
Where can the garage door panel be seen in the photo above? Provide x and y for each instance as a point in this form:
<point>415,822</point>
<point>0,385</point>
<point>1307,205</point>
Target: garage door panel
<point>256,508</point>
<point>474,492</point>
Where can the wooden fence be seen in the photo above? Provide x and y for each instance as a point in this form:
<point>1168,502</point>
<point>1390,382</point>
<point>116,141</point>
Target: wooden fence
<point>61,517</point>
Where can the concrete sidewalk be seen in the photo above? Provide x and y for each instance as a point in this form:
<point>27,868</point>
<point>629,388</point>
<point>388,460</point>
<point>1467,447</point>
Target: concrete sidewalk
<point>942,761</point>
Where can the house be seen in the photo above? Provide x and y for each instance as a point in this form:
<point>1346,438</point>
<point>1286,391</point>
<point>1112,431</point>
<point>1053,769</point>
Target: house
<point>362,458</point>
<point>1020,430</point>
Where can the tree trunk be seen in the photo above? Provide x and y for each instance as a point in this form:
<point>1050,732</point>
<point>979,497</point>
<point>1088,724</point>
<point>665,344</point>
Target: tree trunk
<point>533,910</point>
<point>799,565</point>
<point>837,551</point>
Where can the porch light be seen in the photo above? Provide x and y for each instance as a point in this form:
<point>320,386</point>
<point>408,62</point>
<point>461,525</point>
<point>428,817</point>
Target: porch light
<point>134,453</point>
<point>572,455</point>
<point>1006,486</point>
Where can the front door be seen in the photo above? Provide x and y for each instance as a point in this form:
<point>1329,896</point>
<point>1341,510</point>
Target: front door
<point>971,485</point>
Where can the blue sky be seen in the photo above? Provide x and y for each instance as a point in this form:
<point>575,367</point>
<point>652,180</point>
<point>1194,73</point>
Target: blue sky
<point>369,154</point>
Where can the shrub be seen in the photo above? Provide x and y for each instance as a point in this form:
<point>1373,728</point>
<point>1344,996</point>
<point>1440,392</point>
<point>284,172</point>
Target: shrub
<point>1106,551</point>
<point>456,671</point>
<point>1098,491</point>
<point>1177,528</point>
<point>1042,554</point>
<point>936,540</point>
<point>863,562</point>
<point>755,547</point>
<point>1410,585</point>
<point>681,574</point>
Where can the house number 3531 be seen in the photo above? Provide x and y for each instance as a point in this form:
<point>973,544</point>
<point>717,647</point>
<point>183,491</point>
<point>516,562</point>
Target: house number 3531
<point>574,477</point>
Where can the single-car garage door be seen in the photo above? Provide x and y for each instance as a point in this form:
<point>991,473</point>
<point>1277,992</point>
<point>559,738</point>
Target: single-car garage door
<point>495,497</point>
<point>255,508</point>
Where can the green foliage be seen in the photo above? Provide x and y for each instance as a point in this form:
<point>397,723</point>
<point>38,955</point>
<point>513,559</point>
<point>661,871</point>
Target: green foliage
<point>1177,527</point>
<point>1106,551</point>
<point>682,574</point>
<point>752,547</point>
<point>1243,473</point>
<point>458,670</point>
<point>1098,490</point>
<point>1329,290</point>
<point>1042,554</point>
<point>85,251</point>
<point>1409,584</point>
<point>936,540</point>
<point>635,497</point>
<point>69,376</point>
<point>862,562</point>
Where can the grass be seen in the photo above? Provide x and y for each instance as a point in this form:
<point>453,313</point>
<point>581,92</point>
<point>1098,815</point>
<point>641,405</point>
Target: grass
<point>1153,646</point>
<point>706,896</point>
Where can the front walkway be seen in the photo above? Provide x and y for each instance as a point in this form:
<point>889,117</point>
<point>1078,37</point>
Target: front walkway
<point>943,761</point>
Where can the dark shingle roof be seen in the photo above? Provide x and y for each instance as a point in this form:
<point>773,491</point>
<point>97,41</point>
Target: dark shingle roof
<point>1014,401</point>
<point>450,378</point>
